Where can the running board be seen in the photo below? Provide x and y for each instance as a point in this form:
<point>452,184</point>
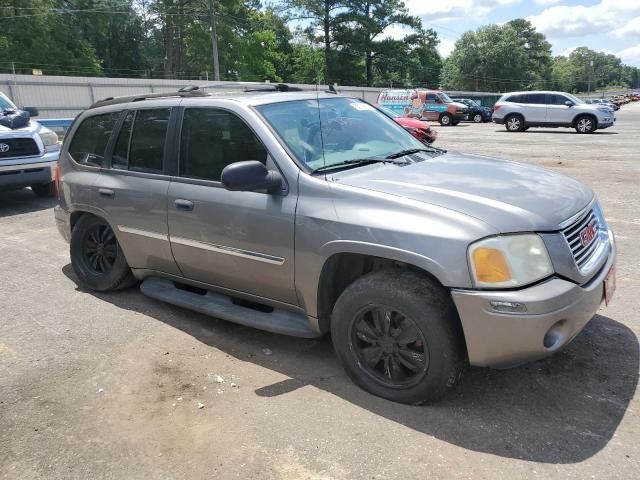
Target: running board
<point>220,306</point>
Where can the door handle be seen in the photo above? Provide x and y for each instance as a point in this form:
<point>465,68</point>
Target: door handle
<point>106,192</point>
<point>182,204</point>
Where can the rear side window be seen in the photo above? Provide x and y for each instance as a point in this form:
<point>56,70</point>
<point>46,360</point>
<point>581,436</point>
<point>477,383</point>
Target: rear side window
<point>516,99</point>
<point>211,139</point>
<point>90,140</point>
<point>146,147</point>
<point>537,99</point>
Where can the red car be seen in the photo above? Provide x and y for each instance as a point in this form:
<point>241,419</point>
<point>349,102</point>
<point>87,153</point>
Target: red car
<point>419,129</point>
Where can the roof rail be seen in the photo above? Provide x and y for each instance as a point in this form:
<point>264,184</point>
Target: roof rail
<point>275,87</point>
<point>188,91</point>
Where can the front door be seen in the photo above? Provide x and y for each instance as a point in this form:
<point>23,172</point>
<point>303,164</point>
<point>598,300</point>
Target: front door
<point>242,241</point>
<point>557,109</point>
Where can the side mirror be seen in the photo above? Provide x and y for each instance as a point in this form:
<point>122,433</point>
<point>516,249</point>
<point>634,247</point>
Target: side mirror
<point>250,176</point>
<point>568,103</point>
<point>32,111</point>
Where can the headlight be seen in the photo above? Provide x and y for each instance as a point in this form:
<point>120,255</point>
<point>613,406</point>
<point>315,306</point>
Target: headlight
<point>508,261</point>
<point>49,139</point>
<point>605,109</point>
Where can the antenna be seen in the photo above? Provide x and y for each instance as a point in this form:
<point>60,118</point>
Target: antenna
<point>324,161</point>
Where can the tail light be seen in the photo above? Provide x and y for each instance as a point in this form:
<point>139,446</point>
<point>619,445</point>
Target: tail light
<point>56,179</point>
<point>497,107</point>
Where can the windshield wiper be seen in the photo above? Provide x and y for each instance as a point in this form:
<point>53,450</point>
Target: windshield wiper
<point>410,151</point>
<point>357,161</point>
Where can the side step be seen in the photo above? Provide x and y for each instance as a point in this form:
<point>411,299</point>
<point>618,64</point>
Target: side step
<point>221,306</point>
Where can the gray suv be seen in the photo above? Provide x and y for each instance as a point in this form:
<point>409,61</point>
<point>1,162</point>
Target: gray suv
<point>305,214</point>
<point>518,111</point>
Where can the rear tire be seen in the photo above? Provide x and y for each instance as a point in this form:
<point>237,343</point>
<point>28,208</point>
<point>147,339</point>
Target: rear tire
<point>44,189</point>
<point>514,123</point>
<point>446,120</point>
<point>585,124</point>
<point>398,336</point>
<point>96,256</point>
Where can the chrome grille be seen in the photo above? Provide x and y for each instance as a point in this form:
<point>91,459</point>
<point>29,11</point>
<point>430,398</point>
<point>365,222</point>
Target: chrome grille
<point>582,254</point>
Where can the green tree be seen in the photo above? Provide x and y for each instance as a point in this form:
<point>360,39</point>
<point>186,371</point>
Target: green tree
<point>362,28</point>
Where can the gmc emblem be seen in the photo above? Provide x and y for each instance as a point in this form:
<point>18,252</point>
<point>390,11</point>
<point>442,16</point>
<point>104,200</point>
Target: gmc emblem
<point>588,233</point>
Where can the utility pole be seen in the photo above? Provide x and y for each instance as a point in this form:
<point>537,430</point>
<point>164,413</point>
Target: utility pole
<point>214,41</point>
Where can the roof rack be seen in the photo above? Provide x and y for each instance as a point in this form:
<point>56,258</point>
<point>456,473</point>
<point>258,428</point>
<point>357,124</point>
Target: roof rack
<point>275,87</point>
<point>195,91</point>
<point>188,91</point>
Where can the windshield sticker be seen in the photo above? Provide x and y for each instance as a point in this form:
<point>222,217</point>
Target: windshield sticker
<point>362,106</point>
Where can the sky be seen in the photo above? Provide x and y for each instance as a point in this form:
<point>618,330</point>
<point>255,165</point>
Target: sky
<point>612,26</point>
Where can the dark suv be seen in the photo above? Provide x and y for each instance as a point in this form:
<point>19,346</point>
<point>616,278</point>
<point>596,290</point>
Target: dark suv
<point>476,113</point>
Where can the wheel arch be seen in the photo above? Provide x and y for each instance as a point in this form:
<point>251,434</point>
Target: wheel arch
<point>351,261</point>
<point>584,114</point>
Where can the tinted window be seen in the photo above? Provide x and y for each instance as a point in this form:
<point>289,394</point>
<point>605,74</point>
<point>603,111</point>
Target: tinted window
<point>91,138</point>
<point>431,98</point>
<point>517,99</point>
<point>537,98</point>
<point>557,99</point>
<point>121,152</point>
<point>211,139</point>
<point>146,151</point>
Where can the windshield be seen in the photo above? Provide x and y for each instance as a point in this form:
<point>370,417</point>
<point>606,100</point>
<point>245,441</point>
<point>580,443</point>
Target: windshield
<point>5,103</point>
<point>446,98</point>
<point>388,111</point>
<point>339,131</point>
<point>575,100</point>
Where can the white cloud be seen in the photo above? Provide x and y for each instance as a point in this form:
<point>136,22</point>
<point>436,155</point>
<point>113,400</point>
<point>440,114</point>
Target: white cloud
<point>545,3</point>
<point>396,32</point>
<point>450,10</point>
<point>445,47</point>
<point>631,28</point>
<point>564,21</point>
<point>631,55</point>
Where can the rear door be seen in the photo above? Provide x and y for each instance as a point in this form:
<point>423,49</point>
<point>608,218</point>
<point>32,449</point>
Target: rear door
<point>535,107</point>
<point>242,241</point>
<point>133,190</point>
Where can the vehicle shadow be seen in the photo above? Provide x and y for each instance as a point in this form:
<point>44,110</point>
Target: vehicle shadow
<point>17,202</point>
<point>559,410</point>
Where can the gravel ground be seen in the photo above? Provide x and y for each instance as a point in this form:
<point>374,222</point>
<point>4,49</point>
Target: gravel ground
<point>108,386</point>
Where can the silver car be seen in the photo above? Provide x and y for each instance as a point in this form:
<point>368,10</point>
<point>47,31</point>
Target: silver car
<point>305,214</point>
<point>518,111</point>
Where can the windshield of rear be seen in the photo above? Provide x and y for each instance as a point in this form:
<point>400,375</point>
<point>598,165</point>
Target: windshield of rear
<point>331,131</point>
<point>446,98</point>
<point>5,103</point>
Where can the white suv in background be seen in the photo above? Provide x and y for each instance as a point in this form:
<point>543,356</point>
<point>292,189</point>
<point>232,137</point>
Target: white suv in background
<point>520,110</point>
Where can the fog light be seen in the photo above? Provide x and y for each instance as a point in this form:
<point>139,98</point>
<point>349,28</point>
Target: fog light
<point>502,306</point>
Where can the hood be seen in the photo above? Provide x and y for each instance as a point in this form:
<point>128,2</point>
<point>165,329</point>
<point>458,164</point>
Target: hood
<point>412,123</point>
<point>459,106</point>
<point>26,131</point>
<point>509,196</point>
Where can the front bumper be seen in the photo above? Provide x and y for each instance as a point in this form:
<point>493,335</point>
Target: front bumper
<point>606,124</point>
<point>501,340</point>
<point>24,172</point>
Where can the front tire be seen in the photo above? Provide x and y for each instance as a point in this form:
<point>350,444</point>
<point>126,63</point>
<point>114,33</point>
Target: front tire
<point>585,124</point>
<point>477,118</point>
<point>398,336</point>
<point>446,120</point>
<point>96,256</point>
<point>44,189</point>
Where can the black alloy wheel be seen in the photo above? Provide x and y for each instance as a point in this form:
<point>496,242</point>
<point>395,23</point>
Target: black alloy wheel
<point>389,346</point>
<point>100,249</point>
